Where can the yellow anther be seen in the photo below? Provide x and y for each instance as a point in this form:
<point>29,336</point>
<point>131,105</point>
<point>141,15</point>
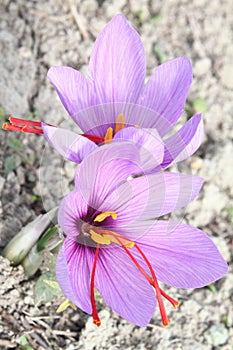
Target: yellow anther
<point>101,217</point>
<point>123,241</point>
<point>137,126</point>
<point>107,237</point>
<point>120,122</point>
<point>65,304</point>
<point>108,136</point>
<point>97,238</point>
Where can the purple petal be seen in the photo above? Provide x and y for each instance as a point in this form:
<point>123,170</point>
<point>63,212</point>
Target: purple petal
<point>149,144</point>
<point>150,197</point>
<point>123,287</point>
<point>182,256</point>
<point>71,210</point>
<point>117,63</point>
<point>73,273</point>
<point>70,145</point>
<point>166,92</point>
<point>74,89</point>
<point>185,142</point>
<point>104,170</point>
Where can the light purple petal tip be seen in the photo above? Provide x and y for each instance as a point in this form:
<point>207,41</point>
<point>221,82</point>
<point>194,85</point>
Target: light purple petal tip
<point>166,92</point>
<point>185,142</point>
<point>70,145</point>
<point>74,89</point>
<point>117,63</point>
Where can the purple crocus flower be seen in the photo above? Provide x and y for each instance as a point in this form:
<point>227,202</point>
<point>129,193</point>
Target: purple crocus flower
<point>113,103</point>
<point>114,243</point>
<point>113,100</point>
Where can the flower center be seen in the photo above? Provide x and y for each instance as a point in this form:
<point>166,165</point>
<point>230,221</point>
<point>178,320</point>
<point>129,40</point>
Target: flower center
<point>120,124</point>
<point>103,236</point>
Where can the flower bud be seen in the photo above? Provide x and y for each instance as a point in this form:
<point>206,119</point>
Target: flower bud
<point>21,244</point>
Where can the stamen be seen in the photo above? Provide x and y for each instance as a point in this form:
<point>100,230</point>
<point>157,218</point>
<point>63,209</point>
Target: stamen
<point>120,122</point>
<point>97,238</point>
<point>101,236</point>
<point>108,136</point>
<point>101,217</point>
<point>96,319</point>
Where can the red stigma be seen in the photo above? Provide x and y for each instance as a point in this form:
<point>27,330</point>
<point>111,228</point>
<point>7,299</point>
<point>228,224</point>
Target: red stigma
<point>96,319</point>
<point>21,125</point>
<point>96,139</point>
<point>152,280</point>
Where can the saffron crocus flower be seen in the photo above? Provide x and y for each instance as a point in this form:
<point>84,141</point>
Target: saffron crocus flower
<point>114,244</point>
<point>113,103</point>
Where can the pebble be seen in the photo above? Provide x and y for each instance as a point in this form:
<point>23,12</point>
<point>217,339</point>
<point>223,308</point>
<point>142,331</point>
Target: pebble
<point>2,181</point>
<point>202,66</point>
<point>196,163</point>
<point>226,75</point>
<point>216,335</point>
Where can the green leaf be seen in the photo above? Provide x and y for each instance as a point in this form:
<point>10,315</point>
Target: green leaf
<point>15,144</point>
<point>139,17</point>
<point>31,177</point>
<point>9,164</point>
<point>52,284</point>
<point>97,295</point>
<point>24,344</point>
<point>212,288</point>
<point>199,105</point>
<point>155,19</point>
<point>36,198</point>
<point>44,292</point>
<point>23,340</point>
<point>159,54</point>
<point>46,237</point>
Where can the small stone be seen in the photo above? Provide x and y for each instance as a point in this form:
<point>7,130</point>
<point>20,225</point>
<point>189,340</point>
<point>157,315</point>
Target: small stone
<point>196,163</point>
<point>21,175</point>
<point>202,66</point>
<point>222,245</point>
<point>226,75</point>
<point>2,181</point>
<point>216,335</point>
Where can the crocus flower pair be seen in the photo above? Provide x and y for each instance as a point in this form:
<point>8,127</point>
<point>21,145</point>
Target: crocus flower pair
<point>113,241</point>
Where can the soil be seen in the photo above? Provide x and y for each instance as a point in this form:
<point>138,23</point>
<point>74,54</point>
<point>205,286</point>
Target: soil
<point>34,35</point>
